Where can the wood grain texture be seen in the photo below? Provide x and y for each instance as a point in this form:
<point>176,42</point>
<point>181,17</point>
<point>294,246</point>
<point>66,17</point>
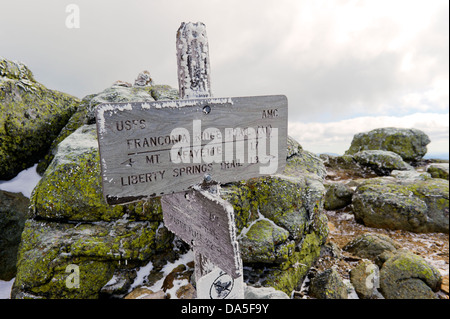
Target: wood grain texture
<point>137,143</point>
<point>206,222</point>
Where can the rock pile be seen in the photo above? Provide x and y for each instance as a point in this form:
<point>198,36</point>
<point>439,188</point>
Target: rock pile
<point>31,117</point>
<point>281,221</point>
<point>383,185</point>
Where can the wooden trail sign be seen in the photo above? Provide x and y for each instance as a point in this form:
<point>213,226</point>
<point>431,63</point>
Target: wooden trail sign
<point>182,149</point>
<point>157,148</point>
<point>207,223</point>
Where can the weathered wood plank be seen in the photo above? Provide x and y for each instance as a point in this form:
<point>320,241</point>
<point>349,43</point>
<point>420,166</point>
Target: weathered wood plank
<point>143,155</point>
<point>207,223</point>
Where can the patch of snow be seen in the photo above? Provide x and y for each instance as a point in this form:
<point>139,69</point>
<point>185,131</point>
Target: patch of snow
<point>167,269</point>
<point>5,289</point>
<point>23,183</point>
<point>142,273</point>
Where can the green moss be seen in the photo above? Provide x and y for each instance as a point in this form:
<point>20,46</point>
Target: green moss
<point>418,206</point>
<point>31,117</point>
<point>279,198</point>
<point>241,197</point>
<point>265,243</point>
<point>72,190</point>
<point>291,273</point>
<point>47,248</point>
<point>406,276</point>
<point>93,275</point>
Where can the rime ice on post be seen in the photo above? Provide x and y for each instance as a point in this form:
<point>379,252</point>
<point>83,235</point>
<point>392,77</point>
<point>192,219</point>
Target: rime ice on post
<point>193,61</point>
<point>194,82</point>
<point>138,161</point>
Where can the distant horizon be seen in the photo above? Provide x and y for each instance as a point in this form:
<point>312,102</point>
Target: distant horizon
<point>439,156</point>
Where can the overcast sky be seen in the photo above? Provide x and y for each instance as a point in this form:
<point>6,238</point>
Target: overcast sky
<point>345,66</point>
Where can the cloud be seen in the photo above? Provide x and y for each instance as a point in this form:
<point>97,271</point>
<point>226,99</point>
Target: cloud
<point>336,137</point>
<point>333,59</point>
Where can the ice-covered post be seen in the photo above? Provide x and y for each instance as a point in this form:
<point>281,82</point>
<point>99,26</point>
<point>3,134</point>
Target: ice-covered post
<point>194,82</point>
<point>193,61</point>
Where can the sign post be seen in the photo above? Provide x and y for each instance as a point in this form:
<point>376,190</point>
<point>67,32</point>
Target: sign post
<point>182,150</point>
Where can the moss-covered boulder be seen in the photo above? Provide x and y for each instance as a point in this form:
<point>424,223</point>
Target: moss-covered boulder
<point>408,276</point>
<point>372,246</point>
<point>49,248</point>
<point>410,144</point>
<point>328,285</point>
<point>73,225</point>
<point>381,162</point>
<point>280,221</point>
<point>31,117</point>
<point>438,170</point>
<point>413,205</point>
<point>13,214</point>
<point>338,196</point>
<point>265,242</point>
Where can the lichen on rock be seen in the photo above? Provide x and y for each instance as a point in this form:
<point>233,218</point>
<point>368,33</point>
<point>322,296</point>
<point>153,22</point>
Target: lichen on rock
<point>413,205</point>
<point>410,144</point>
<point>408,276</point>
<point>381,162</point>
<point>48,248</point>
<point>31,116</point>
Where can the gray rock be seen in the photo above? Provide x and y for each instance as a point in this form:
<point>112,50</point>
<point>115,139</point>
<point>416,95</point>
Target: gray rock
<point>371,246</point>
<point>410,144</point>
<point>417,206</point>
<point>328,285</point>
<point>293,147</point>
<point>438,170</point>
<point>13,214</point>
<point>265,242</point>
<point>338,196</point>
<point>408,276</point>
<point>381,162</point>
<point>365,278</point>
<point>31,117</point>
<point>264,293</point>
<point>410,176</point>
<point>143,79</point>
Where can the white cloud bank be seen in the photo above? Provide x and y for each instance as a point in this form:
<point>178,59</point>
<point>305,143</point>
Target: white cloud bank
<point>346,66</point>
<point>336,137</point>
